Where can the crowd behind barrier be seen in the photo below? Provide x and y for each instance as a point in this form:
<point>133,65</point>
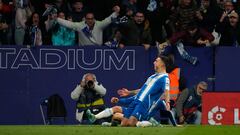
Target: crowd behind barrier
<point>139,22</point>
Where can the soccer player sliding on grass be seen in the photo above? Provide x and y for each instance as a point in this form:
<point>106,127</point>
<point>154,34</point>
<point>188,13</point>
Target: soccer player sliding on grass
<point>117,112</point>
<point>141,107</point>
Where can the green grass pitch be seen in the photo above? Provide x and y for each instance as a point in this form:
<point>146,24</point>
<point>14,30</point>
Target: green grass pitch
<point>99,130</point>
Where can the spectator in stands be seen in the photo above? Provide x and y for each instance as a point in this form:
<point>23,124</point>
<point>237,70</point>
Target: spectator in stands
<point>61,36</point>
<point>228,8</point>
<point>70,38</point>
<point>33,32</point>
<point>116,40</point>
<point>78,11</point>
<point>137,31</point>
<point>183,15</point>
<point>61,5</point>
<point>221,3</point>
<point>193,36</point>
<point>100,8</point>
<point>188,105</point>
<point>129,7</point>
<point>90,31</point>
<point>40,5</point>
<point>237,6</point>
<point>89,95</point>
<point>209,14</point>
<point>5,22</point>
<point>230,31</point>
<point>23,12</point>
<point>157,18</point>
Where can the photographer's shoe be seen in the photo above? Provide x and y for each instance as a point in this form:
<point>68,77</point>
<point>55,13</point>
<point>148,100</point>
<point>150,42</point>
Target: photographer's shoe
<point>91,117</point>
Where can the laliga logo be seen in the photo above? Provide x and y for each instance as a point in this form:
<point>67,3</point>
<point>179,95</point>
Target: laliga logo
<point>216,114</point>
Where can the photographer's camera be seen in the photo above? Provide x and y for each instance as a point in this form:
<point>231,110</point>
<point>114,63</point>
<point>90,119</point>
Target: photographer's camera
<point>90,84</point>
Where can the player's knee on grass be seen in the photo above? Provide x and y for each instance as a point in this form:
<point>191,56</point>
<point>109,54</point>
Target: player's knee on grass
<point>132,121</point>
<point>124,122</point>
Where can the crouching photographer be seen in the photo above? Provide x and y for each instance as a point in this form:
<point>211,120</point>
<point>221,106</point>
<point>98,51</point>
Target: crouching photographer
<point>89,95</point>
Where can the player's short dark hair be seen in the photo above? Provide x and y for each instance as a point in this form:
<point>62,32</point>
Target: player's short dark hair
<point>165,60</point>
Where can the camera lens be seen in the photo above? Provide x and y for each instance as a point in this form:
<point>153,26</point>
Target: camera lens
<point>90,84</point>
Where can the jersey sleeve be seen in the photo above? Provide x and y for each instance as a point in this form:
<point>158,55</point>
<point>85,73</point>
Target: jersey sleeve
<point>126,101</point>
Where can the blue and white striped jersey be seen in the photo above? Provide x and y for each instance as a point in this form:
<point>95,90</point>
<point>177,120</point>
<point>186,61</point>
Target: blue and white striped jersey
<point>153,88</point>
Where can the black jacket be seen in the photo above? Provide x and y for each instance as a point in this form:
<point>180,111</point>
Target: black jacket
<point>56,107</point>
<point>228,33</point>
<point>187,101</point>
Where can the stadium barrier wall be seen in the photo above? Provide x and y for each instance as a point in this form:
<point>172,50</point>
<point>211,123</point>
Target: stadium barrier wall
<point>227,69</point>
<point>221,108</point>
<point>29,75</point>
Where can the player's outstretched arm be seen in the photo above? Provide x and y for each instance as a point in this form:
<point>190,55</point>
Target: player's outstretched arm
<point>125,92</point>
